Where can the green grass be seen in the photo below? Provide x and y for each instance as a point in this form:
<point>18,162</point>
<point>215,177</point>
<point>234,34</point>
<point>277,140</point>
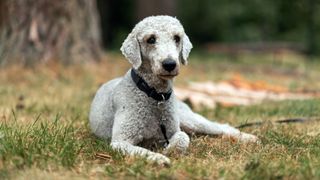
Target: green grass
<point>44,129</point>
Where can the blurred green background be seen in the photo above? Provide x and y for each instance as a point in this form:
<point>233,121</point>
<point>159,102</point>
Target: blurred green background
<point>248,24</point>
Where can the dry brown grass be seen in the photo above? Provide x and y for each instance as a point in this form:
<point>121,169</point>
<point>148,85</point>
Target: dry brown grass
<point>63,95</point>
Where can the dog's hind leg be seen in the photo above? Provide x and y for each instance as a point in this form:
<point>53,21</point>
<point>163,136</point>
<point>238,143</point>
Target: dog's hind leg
<point>191,122</point>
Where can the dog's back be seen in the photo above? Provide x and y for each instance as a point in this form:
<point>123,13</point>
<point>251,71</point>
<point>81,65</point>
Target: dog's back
<point>101,113</point>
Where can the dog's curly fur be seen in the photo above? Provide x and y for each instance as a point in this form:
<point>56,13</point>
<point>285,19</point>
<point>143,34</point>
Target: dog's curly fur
<point>126,115</point>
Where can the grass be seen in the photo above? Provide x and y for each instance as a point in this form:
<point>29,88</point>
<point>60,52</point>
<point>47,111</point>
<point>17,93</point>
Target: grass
<point>44,131</point>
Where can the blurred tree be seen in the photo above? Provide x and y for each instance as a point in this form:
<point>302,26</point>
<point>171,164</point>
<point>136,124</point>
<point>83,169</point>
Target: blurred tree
<point>33,31</point>
<point>311,25</point>
<point>117,20</point>
<point>119,16</point>
<point>155,7</point>
<point>238,21</point>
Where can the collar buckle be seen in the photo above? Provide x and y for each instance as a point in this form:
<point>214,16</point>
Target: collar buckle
<point>161,102</point>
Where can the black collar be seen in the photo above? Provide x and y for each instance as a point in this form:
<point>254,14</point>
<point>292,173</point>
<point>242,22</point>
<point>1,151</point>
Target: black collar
<point>150,91</point>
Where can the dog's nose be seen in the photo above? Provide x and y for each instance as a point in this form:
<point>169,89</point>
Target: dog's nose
<point>169,64</point>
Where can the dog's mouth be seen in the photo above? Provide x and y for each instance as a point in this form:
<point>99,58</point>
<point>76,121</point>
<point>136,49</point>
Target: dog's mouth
<point>167,76</point>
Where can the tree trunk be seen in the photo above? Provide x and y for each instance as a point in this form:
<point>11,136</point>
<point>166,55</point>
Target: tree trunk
<point>33,31</point>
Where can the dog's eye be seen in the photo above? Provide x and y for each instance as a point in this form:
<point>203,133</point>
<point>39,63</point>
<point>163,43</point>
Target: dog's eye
<point>151,40</point>
<point>176,38</point>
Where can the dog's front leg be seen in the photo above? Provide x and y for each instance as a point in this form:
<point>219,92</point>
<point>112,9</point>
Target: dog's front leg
<point>179,141</point>
<point>132,150</point>
<point>127,132</point>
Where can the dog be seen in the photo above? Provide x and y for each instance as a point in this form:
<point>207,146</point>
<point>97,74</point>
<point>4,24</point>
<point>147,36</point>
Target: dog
<point>139,111</point>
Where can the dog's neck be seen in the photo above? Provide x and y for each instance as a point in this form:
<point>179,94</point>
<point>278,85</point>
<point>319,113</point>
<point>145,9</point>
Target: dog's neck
<point>161,85</point>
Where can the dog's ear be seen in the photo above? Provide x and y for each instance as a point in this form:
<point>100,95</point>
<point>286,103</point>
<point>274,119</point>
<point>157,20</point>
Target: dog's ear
<point>131,50</point>
<point>185,50</point>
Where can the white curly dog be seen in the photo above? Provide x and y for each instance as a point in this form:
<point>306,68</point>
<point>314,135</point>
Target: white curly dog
<point>139,111</point>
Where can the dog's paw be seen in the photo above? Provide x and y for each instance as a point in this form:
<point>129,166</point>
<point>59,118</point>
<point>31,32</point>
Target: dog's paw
<point>178,143</point>
<point>159,159</point>
<point>243,137</point>
<point>248,138</point>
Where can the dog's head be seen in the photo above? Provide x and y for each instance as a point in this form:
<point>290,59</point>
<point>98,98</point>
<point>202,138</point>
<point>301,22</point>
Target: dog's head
<point>158,43</point>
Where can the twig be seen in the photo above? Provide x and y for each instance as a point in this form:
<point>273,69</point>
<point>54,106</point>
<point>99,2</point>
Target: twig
<point>281,121</point>
<point>103,156</point>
